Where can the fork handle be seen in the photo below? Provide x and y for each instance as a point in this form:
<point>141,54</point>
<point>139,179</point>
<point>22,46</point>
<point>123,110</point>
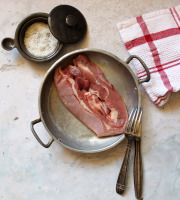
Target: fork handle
<point>121,181</point>
<point>138,170</point>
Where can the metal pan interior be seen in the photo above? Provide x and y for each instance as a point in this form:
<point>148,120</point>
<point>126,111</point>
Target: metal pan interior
<point>67,129</point>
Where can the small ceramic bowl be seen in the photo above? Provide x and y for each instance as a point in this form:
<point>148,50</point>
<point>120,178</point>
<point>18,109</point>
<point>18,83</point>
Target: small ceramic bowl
<point>18,42</point>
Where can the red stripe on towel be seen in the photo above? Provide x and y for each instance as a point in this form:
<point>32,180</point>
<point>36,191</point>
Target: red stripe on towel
<point>156,67</point>
<point>154,52</point>
<point>174,17</point>
<point>159,99</point>
<point>155,36</point>
<point>158,70</point>
<point>177,14</point>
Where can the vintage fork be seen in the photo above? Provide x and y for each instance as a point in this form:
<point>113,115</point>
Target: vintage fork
<point>132,129</point>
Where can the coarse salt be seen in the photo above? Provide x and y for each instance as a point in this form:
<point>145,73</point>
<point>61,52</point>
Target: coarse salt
<point>39,41</point>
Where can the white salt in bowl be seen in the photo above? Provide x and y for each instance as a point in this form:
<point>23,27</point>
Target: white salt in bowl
<point>24,43</point>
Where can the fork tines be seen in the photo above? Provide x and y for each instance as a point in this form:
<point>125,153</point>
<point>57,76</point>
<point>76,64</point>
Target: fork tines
<point>133,124</point>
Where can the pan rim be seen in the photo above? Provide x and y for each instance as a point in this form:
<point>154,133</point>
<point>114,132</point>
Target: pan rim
<point>55,65</point>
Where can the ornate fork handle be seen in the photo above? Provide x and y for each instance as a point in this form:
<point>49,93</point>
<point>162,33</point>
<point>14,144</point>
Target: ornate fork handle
<point>138,170</point>
<point>121,181</point>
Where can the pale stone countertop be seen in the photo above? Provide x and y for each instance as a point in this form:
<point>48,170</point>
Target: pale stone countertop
<point>29,171</point>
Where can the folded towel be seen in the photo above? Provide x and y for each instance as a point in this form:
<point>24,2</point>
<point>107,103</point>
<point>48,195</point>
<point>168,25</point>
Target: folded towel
<point>155,37</point>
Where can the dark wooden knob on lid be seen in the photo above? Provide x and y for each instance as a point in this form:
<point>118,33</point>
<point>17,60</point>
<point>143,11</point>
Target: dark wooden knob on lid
<point>67,24</point>
<point>71,20</point>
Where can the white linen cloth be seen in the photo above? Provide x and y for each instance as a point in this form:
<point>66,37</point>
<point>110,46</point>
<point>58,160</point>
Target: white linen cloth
<point>155,37</point>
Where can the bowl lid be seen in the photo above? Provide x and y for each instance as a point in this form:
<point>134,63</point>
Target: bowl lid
<point>67,24</point>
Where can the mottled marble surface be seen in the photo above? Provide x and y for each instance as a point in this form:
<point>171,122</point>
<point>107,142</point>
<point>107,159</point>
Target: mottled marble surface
<point>29,171</point>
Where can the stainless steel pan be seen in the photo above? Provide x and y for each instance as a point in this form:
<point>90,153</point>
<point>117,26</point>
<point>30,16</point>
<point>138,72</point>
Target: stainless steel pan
<point>66,129</point>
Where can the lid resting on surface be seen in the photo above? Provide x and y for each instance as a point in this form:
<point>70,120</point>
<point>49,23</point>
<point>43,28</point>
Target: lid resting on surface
<point>67,24</point>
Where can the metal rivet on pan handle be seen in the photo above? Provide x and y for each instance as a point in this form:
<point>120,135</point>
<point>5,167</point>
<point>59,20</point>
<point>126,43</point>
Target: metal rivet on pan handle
<point>37,137</point>
<point>144,66</point>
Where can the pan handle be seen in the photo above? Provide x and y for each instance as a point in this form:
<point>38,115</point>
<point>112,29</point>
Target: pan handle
<point>37,137</point>
<point>144,66</point>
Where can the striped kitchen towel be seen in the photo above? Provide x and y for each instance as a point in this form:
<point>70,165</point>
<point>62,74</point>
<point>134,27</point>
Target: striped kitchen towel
<point>155,37</point>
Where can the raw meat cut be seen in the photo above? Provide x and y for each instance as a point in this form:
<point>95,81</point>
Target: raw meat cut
<point>86,92</point>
